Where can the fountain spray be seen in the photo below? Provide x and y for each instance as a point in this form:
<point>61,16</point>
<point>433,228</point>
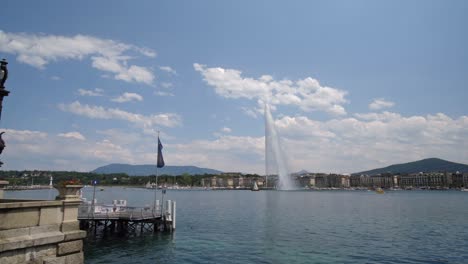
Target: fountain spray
<point>275,162</point>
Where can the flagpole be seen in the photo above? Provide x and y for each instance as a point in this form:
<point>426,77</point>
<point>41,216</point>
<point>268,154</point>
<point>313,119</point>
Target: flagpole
<point>159,164</point>
<point>156,181</point>
<point>156,189</point>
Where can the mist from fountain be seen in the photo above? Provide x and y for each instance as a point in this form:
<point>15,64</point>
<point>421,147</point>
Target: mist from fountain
<point>275,162</point>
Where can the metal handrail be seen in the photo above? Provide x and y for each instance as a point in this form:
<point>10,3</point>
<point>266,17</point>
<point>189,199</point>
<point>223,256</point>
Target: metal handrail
<point>130,212</point>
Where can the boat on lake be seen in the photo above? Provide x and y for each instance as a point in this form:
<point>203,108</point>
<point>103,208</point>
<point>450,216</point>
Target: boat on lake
<point>255,186</point>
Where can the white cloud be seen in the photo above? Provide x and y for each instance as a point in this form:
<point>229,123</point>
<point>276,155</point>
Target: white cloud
<point>250,112</point>
<point>23,135</point>
<point>127,97</point>
<point>95,92</point>
<point>166,85</point>
<point>226,130</point>
<point>307,93</point>
<point>55,78</point>
<point>226,153</point>
<point>38,150</point>
<point>222,131</point>
<point>380,103</point>
<point>372,140</point>
<point>161,93</point>
<point>73,135</point>
<point>342,145</point>
<point>38,50</point>
<point>167,69</point>
<point>144,121</point>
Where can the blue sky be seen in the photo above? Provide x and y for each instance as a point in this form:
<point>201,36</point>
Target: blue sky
<point>353,85</point>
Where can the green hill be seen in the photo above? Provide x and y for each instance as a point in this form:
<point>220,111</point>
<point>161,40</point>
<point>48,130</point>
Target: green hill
<point>145,170</point>
<point>425,165</point>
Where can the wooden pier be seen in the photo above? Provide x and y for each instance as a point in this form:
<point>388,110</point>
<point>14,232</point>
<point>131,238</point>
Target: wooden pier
<point>96,218</point>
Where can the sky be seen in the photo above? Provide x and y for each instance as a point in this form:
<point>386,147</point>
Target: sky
<point>353,85</point>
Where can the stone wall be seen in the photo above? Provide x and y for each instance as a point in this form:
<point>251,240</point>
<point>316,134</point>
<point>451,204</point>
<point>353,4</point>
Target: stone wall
<point>42,232</point>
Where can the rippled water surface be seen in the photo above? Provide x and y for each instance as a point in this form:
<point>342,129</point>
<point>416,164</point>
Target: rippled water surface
<point>292,227</point>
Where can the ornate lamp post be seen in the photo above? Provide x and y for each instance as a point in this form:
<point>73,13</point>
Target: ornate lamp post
<point>3,78</point>
<point>3,93</point>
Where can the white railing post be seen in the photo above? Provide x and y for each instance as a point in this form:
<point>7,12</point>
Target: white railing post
<point>173,215</point>
<point>168,210</point>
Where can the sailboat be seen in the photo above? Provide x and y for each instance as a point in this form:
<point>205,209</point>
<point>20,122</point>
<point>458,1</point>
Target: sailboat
<point>255,186</point>
<point>149,185</point>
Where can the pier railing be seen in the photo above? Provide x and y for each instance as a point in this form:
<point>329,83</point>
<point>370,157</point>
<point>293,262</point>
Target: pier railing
<point>158,217</point>
<point>131,213</point>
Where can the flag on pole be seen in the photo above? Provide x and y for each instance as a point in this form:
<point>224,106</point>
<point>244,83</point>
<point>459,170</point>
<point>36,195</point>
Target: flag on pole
<point>160,163</point>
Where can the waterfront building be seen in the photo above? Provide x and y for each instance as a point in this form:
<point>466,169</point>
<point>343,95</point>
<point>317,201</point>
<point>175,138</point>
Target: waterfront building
<point>306,180</point>
<point>321,181</point>
<point>345,183</point>
<point>230,182</point>
<point>396,181</point>
<point>220,182</point>
<point>457,180</point>
<point>213,181</point>
<point>383,181</point>
<point>355,180</point>
<point>205,182</point>
<point>431,180</point>
<point>361,181</point>
<point>247,182</point>
<point>238,182</point>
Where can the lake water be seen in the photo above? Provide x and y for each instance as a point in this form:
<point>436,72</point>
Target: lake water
<point>292,227</point>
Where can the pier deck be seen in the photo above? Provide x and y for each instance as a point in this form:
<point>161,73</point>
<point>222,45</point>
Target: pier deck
<point>123,219</point>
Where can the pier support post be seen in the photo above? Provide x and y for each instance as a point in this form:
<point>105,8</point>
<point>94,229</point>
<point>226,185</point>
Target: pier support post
<point>168,210</point>
<point>173,215</point>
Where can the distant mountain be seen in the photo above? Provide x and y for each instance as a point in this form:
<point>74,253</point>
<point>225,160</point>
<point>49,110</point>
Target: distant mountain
<point>145,170</point>
<point>425,165</point>
<point>300,172</point>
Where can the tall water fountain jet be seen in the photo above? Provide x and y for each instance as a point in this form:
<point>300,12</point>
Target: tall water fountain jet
<point>275,163</point>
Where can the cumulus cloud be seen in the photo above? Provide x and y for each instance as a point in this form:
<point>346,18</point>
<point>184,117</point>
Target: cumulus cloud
<point>127,97</point>
<point>95,92</point>
<point>73,135</point>
<point>167,69</point>
<point>106,55</point>
<point>144,121</point>
<point>380,103</point>
<point>341,145</point>
<point>39,150</point>
<point>372,140</point>
<point>307,94</point>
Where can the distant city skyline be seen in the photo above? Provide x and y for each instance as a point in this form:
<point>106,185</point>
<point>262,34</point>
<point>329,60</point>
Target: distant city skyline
<point>352,85</point>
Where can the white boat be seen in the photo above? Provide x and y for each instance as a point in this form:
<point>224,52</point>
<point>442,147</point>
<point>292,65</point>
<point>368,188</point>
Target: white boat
<point>464,190</point>
<point>255,186</point>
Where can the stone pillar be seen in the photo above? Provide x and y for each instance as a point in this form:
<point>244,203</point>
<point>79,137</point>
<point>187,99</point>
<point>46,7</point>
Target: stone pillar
<point>71,248</point>
<point>2,185</point>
